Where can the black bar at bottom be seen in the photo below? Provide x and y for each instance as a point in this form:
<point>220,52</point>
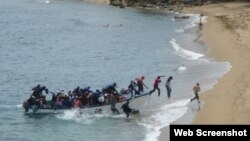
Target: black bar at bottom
<point>214,132</point>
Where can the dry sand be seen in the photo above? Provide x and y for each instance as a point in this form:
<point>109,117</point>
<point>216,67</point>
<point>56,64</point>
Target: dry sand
<point>227,34</point>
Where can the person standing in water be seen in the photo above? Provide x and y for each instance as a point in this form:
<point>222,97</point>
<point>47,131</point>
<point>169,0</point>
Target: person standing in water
<point>168,86</point>
<point>196,89</point>
<point>200,22</point>
<point>113,102</point>
<point>126,109</point>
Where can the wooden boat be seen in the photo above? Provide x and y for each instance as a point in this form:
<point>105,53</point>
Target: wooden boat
<point>137,102</point>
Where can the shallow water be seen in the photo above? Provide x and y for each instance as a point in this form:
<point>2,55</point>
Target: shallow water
<point>63,44</point>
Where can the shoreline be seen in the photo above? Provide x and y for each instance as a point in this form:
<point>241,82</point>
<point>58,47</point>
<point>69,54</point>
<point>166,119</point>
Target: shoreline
<point>226,34</point>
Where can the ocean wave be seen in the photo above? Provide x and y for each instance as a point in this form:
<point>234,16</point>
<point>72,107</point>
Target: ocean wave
<point>181,68</point>
<point>43,1</point>
<point>11,106</point>
<point>179,30</point>
<point>85,118</point>
<point>19,105</point>
<point>195,20</point>
<point>228,68</point>
<point>166,115</point>
<point>185,53</point>
<point>193,23</point>
<point>76,116</point>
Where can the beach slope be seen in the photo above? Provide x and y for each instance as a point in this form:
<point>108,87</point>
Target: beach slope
<point>227,35</point>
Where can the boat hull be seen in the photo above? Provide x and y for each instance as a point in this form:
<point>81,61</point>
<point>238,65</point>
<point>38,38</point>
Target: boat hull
<point>137,103</point>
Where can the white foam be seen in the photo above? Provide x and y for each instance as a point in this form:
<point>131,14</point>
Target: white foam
<point>229,66</point>
<point>216,81</point>
<point>10,106</point>
<point>85,118</point>
<point>166,115</point>
<point>185,53</point>
<point>181,68</point>
<point>44,1</point>
<point>180,30</point>
<point>19,106</point>
<point>76,116</point>
<point>193,23</point>
<point>196,21</point>
<point>204,19</point>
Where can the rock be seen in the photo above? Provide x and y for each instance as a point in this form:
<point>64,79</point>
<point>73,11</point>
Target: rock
<point>122,6</point>
<point>120,3</point>
<point>181,17</point>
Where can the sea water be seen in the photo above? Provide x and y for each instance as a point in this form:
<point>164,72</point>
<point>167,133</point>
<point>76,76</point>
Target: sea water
<point>68,43</point>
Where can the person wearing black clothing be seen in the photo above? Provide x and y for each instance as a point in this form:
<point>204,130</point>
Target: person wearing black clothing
<point>37,91</point>
<point>168,86</point>
<point>76,91</point>
<point>127,110</point>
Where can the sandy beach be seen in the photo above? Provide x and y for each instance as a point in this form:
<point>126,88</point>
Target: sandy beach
<point>227,35</point>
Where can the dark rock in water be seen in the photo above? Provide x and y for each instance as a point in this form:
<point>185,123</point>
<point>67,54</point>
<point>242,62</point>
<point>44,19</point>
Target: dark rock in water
<point>115,2</point>
<point>120,3</point>
<point>122,6</point>
<point>181,17</point>
<point>144,5</point>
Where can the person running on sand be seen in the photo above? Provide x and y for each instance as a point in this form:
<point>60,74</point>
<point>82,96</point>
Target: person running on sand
<point>196,89</point>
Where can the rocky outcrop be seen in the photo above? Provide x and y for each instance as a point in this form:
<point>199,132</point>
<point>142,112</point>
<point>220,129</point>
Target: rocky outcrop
<point>120,3</point>
<point>181,17</point>
<point>172,5</point>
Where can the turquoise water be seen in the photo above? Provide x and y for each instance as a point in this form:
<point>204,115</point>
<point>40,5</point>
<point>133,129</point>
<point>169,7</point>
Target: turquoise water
<point>63,44</point>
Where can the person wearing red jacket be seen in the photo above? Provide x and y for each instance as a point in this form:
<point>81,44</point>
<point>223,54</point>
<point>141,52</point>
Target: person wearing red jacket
<point>140,83</point>
<point>156,85</point>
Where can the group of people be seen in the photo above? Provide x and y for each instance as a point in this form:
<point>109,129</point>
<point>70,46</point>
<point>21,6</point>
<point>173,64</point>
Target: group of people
<point>78,98</point>
<point>85,97</point>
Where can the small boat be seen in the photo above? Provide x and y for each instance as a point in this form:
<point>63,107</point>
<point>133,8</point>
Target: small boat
<point>137,102</point>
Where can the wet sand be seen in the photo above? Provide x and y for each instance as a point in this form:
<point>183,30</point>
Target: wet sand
<point>227,35</point>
